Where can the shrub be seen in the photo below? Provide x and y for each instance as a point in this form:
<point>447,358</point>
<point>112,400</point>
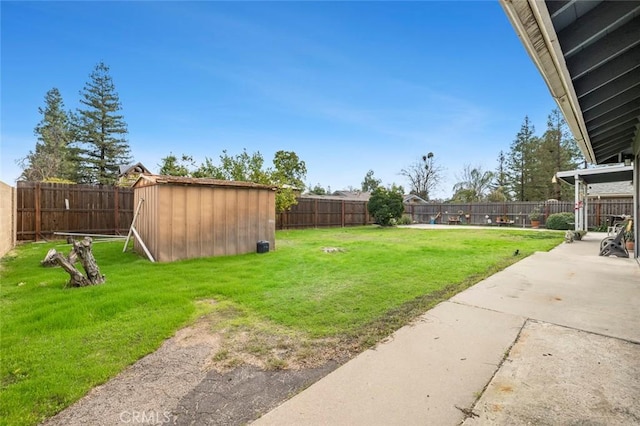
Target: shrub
<point>562,221</point>
<point>405,220</point>
<point>386,206</point>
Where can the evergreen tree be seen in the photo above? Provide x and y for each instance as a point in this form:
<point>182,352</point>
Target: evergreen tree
<point>52,158</point>
<point>101,130</point>
<point>499,189</point>
<point>557,151</point>
<point>520,163</point>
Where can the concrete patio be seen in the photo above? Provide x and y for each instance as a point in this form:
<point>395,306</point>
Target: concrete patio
<point>553,339</point>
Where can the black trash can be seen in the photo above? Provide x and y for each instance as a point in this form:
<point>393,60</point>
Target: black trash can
<point>263,246</point>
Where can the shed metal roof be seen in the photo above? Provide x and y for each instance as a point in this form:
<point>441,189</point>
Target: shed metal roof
<point>146,180</point>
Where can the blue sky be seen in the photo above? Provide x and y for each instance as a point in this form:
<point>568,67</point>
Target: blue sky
<point>348,86</point>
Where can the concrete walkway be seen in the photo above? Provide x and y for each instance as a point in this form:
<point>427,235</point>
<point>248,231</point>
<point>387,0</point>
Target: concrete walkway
<point>553,339</point>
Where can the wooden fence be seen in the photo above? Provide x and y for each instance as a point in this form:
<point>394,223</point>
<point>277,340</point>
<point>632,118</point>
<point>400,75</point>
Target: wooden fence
<point>320,213</point>
<point>598,211</point>
<point>45,208</point>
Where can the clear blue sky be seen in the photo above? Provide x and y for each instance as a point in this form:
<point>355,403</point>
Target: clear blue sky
<point>348,86</point>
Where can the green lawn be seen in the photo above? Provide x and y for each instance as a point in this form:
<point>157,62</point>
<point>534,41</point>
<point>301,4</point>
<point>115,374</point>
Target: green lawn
<point>58,343</point>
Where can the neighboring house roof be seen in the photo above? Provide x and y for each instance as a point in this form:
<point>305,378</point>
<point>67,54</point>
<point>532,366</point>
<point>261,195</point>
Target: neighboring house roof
<point>414,199</point>
<point>353,195</point>
<point>326,197</point>
<point>611,189</point>
<point>362,196</point>
<point>146,180</point>
<point>132,168</point>
<point>341,195</point>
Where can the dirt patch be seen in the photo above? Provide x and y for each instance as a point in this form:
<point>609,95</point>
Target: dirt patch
<point>228,368</point>
<point>204,375</point>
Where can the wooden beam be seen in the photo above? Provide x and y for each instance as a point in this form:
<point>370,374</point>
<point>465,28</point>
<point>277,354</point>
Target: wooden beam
<point>144,247</point>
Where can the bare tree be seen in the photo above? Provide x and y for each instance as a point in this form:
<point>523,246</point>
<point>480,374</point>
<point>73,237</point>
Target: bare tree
<point>423,175</point>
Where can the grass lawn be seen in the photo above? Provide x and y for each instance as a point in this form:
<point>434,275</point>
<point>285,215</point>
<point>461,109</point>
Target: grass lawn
<point>58,343</point>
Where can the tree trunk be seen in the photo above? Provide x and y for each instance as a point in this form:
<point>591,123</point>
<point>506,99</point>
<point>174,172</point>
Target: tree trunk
<point>83,250</point>
<point>76,278</point>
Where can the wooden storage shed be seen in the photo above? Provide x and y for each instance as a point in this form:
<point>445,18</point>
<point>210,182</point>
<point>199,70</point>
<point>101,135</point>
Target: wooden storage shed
<point>183,218</point>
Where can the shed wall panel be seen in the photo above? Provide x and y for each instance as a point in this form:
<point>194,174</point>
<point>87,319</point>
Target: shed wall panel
<point>231,220</point>
<point>193,225</point>
<point>219,218</point>
<point>164,228</point>
<point>178,199</point>
<point>207,223</point>
<point>200,221</point>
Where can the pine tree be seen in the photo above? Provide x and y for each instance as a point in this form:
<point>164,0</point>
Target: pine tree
<point>557,151</point>
<point>521,164</point>
<point>101,130</point>
<point>499,187</point>
<point>52,158</point>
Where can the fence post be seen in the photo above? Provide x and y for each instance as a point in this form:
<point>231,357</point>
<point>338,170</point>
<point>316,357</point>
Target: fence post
<point>315,213</point>
<point>116,211</point>
<point>342,219</point>
<point>38,211</point>
<point>366,213</point>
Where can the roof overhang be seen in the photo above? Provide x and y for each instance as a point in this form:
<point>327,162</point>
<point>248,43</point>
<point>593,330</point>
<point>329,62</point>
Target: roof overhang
<point>588,53</point>
<point>604,174</point>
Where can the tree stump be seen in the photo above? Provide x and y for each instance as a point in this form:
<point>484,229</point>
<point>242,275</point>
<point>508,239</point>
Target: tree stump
<point>82,250</point>
<point>76,278</point>
<point>50,258</point>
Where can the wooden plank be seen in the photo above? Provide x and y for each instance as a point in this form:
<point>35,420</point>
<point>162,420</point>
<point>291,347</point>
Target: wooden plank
<point>135,216</point>
<point>38,217</point>
<point>144,247</point>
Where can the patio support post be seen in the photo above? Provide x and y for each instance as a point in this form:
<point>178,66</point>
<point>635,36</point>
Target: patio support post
<point>636,203</point>
<point>576,225</point>
<point>585,208</point>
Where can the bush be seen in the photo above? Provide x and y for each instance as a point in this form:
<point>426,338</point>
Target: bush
<point>562,221</point>
<point>386,206</point>
<point>405,220</point>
